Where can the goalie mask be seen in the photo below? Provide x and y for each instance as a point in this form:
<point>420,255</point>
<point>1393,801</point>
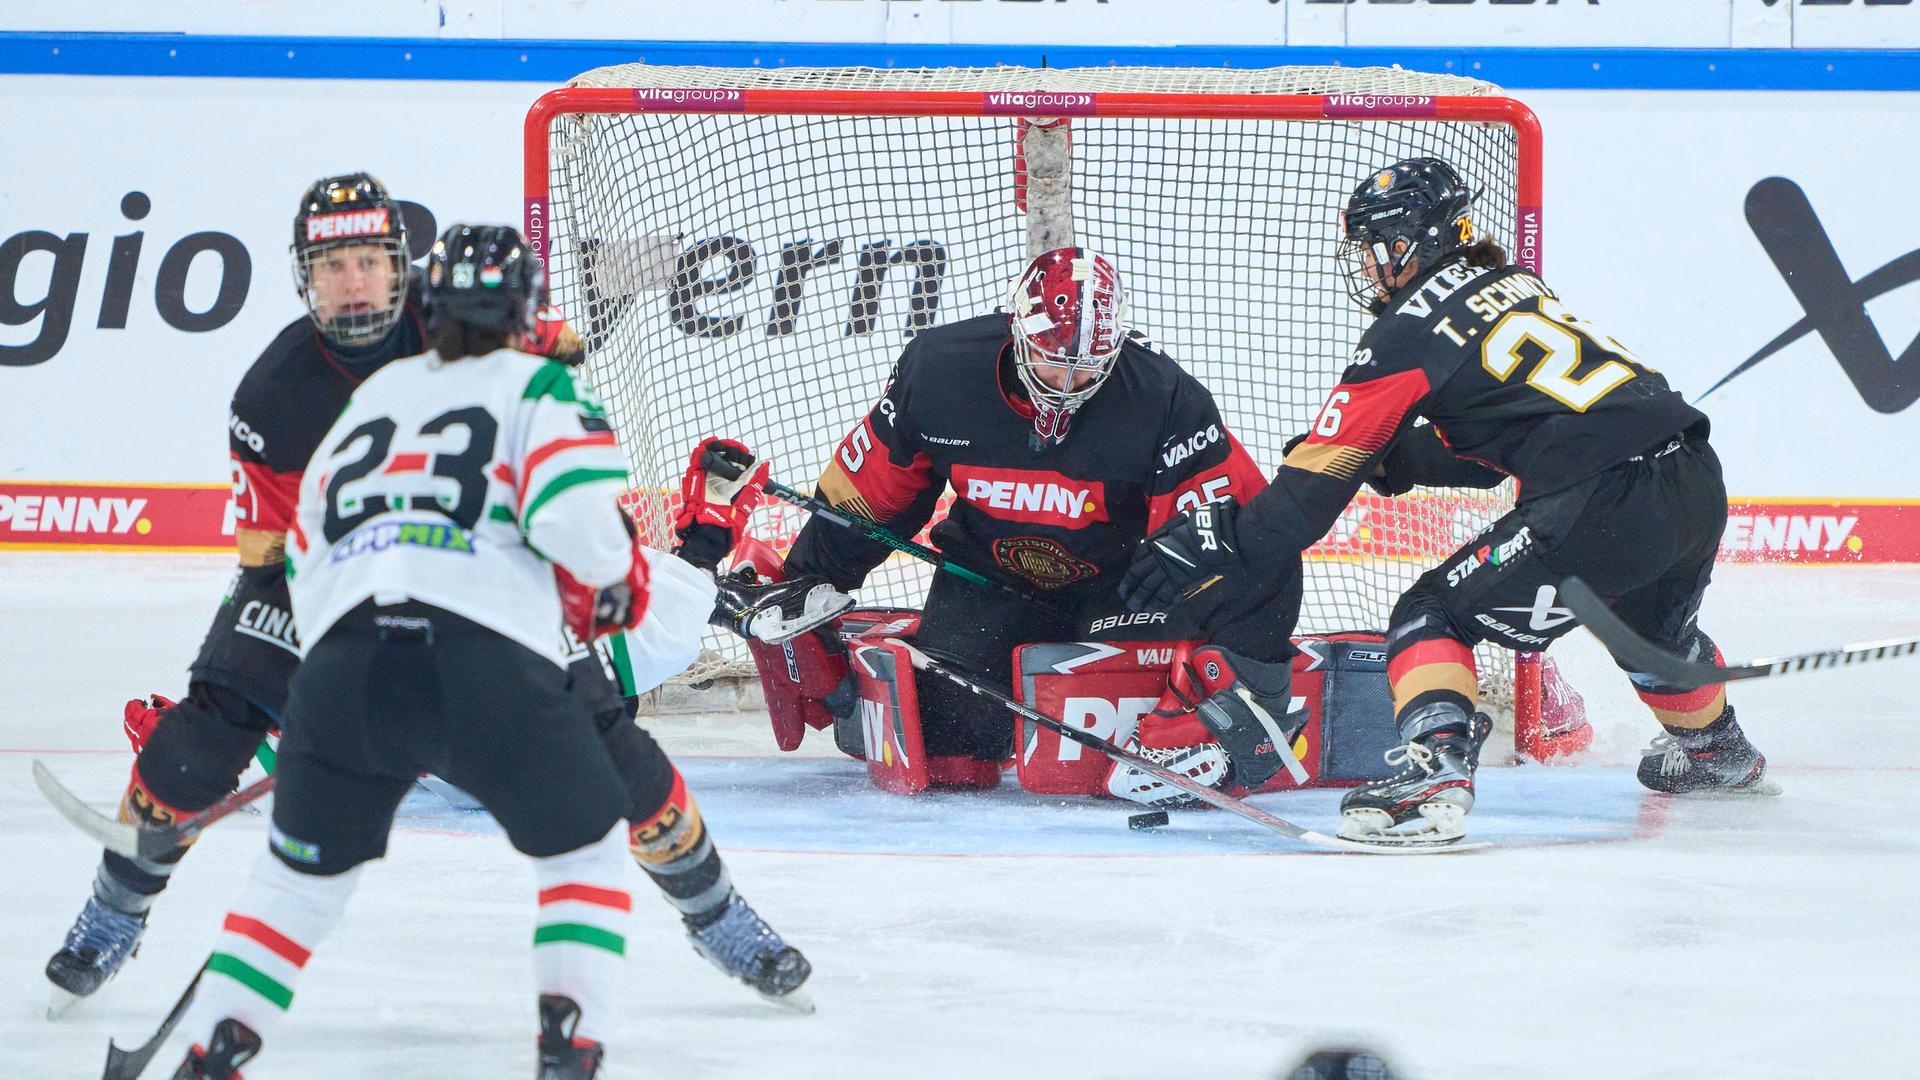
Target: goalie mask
<point>484,276</point>
<point>350,258</point>
<point>1066,311</point>
<point>1413,211</point>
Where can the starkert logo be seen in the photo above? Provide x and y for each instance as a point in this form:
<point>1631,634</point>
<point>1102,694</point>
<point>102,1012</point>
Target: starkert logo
<point>1835,304</point>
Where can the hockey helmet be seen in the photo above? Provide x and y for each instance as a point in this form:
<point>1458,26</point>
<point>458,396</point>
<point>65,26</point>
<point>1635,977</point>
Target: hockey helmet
<point>485,277</point>
<point>352,301</point>
<point>1067,313</point>
<point>1418,209</point>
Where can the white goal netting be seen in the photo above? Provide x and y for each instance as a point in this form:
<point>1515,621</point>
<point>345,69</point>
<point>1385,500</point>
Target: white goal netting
<point>746,251</point>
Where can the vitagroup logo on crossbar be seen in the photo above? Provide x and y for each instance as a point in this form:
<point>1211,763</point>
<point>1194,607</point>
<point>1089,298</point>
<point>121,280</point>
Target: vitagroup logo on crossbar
<point>1037,103</point>
<point>1338,106</point>
<point>668,99</point>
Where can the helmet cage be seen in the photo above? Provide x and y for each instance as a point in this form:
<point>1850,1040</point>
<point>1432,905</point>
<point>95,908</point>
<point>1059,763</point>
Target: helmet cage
<point>1414,210</point>
<point>354,327</point>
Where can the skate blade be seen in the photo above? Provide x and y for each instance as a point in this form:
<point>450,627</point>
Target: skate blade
<point>61,1002</point>
<point>795,1000</point>
<point>1440,824</point>
<point>1759,789</point>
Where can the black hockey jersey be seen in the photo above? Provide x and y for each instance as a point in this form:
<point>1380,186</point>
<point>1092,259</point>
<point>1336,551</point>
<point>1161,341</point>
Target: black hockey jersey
<point>1150,442</point>
<point>1505,375</point>
<point>289,398</point>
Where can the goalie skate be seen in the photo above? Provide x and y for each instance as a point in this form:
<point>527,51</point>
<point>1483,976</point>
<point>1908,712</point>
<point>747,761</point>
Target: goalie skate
<point>776,611</point>
<point>1426,803</point>
<point>1204,763</point>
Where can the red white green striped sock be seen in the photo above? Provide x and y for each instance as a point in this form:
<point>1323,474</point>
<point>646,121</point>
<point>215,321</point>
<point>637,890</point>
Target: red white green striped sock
<point>580,940</point>
<point>265,943</point>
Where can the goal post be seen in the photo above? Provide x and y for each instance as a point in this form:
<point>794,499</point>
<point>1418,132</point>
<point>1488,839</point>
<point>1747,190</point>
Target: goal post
<point>745,252</point>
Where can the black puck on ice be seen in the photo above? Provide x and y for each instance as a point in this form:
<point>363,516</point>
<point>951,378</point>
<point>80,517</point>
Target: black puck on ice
<point>1152,819</point>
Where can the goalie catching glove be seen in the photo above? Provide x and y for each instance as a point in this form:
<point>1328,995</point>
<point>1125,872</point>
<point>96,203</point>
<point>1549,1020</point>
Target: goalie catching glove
<point>721,489</point>
<point>776,611</point>
<point>1189,553</point>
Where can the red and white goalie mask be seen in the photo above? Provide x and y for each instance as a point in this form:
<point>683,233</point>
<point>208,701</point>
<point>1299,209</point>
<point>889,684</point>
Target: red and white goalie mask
<point>1067,312</point>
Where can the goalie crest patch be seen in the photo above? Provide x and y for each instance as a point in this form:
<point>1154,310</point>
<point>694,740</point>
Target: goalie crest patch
<point>1046,563</point>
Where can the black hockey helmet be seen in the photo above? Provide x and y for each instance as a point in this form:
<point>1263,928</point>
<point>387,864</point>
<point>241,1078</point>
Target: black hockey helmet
<point>356,297</point>
<point>484,276</point>
<point>1418,209</point>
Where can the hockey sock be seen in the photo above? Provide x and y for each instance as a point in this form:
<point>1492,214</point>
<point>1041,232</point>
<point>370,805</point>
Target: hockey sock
<point>273,928</point>
<point>1688,712</point>
<point>130,884</point>
<point>1435,684</point>
<point>674,849</point>
<point>581,936</point>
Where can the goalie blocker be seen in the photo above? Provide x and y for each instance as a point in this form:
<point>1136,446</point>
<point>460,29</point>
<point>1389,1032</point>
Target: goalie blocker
<point>853,682</point>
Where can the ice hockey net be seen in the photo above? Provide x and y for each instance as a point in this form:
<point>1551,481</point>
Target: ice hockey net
<point>747,250</point>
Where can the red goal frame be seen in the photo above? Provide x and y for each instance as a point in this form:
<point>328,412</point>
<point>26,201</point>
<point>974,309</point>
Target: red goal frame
<point>1527,229</point>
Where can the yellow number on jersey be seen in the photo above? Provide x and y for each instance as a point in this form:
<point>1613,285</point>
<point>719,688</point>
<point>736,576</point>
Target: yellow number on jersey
<point>1560,338</point>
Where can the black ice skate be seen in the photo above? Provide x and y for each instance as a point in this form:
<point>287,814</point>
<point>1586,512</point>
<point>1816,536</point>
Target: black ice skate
<point>1435,789</point>
<point>1717,760</point>
<point>741,944</point>
<point>234,1044</point>
<point>775,611</point>
<point>563,1056</point>
<point>100,942</point>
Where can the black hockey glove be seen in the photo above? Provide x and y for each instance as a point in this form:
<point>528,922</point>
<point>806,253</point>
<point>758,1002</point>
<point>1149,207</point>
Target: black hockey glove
<point>1192,551</point>
<point>775,611</point>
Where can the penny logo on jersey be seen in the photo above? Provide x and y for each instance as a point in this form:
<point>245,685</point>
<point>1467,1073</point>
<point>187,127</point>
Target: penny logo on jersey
<point>1032,496</point>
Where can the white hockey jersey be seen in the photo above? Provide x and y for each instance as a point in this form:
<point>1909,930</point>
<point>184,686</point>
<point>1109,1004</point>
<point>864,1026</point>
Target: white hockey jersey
<point>460,485</point>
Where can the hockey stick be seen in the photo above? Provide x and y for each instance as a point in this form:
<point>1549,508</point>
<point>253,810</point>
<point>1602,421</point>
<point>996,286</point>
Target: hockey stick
<point>881,534</point>
<point>140,841</point>
<point>1644,656</point>
<point>923,662</point>
<point>129,1064</point>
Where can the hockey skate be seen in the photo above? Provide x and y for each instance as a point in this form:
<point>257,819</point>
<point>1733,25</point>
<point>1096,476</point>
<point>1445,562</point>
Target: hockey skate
<point>1707,762</point>
<point>234,1044</point>
<point>562,1055</point>
<point>775,611</point>
<point>1433,789</point>
<point>101,941</point>
<point>741,944</point>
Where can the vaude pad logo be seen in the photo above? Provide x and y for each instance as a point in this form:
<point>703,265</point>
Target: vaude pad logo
<point>1835,304</point>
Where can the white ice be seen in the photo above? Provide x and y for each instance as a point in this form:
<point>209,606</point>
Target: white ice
<point>1607,934</point>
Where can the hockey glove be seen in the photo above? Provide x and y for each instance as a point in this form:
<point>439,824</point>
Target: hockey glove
<point>142,716</point>
<point>553,338</point>
<point>776,611</point>
<point>591,612</point>
<point>1192,551</point>
<point>718,494</point>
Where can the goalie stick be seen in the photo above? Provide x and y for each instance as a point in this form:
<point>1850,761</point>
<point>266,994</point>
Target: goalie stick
<point>1221,799</point>
<point>881,534</point>
<point>140,841</point>
<point>1644,656</point>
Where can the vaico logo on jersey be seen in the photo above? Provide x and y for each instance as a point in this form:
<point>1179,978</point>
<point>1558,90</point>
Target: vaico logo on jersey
<point>1032,496</point>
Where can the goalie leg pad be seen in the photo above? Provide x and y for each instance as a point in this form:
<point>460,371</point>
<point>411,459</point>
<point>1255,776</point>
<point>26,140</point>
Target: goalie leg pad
<point>798,677</point>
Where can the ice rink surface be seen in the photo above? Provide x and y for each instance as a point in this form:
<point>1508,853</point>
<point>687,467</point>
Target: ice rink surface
<point>1608,933</point>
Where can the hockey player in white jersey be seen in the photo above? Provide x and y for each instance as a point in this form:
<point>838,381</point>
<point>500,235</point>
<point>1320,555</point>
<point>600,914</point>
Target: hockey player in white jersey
<point>458,510</point>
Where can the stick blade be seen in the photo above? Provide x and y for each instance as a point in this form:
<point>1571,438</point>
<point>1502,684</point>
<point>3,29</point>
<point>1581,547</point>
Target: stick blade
<point>115,836</point>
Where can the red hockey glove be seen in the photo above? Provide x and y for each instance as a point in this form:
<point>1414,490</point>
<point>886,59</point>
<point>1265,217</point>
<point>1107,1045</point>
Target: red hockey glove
<point>591,612</point>
<point>553,338</point>
<point>141,716</point>
<point>720,491</point>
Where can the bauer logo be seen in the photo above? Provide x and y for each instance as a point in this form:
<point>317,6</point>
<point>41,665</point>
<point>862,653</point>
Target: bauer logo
<point>691,100</point>
<point>1038,103</point>
<point>1337,106</point>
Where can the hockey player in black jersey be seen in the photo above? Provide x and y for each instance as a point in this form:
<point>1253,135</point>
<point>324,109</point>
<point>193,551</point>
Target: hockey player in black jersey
<point>1617,485</point>
<point>1065,439</point>
<point>350,264</point>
